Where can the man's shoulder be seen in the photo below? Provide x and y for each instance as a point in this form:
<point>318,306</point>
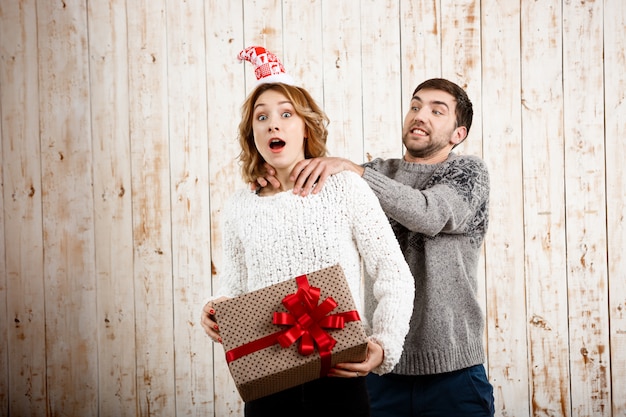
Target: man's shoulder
<point>465,157</point>
<point>471,162</point>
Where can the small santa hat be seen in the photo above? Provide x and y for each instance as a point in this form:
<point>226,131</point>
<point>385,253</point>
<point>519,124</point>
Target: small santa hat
<point>267,67</point>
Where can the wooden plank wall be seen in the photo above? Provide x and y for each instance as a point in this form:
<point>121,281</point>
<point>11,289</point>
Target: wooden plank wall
<point>118,124</point>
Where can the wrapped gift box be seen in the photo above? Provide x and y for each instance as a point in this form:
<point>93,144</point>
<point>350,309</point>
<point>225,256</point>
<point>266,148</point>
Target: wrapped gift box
<point>290,333</point>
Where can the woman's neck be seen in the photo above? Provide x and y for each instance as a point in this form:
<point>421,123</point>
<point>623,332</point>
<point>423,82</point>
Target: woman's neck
<point>283,177</point>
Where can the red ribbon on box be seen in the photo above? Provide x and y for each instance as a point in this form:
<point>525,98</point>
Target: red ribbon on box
<point>307,320</point>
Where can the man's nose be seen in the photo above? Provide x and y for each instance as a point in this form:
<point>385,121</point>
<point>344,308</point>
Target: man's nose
<point>419,115</point>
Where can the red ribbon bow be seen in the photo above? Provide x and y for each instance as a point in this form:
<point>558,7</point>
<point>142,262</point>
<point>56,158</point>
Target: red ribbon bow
<point>307,320</point>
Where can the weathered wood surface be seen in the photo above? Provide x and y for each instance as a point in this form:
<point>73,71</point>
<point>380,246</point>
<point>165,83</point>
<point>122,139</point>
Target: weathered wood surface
<point>585,194</point>
<point>118,125</point>
<point>109,98</point>
<point>504,247</point>
<point>22,320</point>
<point>150,155</point>
<point>544,210</point>
<point>615,149</point>
<point>69,273</point>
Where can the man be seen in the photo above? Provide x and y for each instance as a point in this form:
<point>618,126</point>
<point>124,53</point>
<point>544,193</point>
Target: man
<point>437,203</point>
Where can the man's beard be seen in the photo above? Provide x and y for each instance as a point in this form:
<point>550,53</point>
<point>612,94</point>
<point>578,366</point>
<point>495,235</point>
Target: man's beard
<point>430,149</point>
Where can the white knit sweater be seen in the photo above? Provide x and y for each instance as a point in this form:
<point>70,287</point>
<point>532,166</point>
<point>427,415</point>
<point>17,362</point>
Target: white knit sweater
<point>274,238</point>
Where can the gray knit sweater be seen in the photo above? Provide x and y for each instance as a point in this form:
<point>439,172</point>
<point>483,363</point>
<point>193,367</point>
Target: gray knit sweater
<point>439,214</point>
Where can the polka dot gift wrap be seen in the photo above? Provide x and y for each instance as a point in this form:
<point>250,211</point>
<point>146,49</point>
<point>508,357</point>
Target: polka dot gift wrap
<point>290,333</point>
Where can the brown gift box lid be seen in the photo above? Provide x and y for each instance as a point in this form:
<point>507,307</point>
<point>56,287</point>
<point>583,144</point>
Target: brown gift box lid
<point>249,317</point>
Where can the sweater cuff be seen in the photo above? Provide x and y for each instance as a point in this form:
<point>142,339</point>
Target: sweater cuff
<point>388,361</point>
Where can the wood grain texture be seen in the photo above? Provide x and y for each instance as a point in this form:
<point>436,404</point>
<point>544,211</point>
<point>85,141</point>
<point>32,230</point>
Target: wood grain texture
<point>544,214</point>
<point>585,195</point>
<point>504,244</point>
<point>461,60</point>
<point>67,200</point>
<point>340,60</point>
<point>420,43</point>
<point>380,72</point>
<point>304,55</point>
<point>152,211</point>
<point>118,126</point>
<point>108,39</point>
<point>68,209</point>
<point>23,320</point>
<point>615,115</point>
<point>189,179</point>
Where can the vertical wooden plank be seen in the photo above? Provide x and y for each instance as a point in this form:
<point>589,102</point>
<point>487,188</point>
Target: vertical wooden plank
<point>504,245</point>
<point>544,208</point>
<point>462,59</point>
<point>382,84</point>
<point>420,42</point>
<point>108,56</point>
<point>341,57</point>
<point>615,117</point>
<point>149,138</point>
<point>262,25</point>
<point>586,208</point>
<point>190,203</point>
<point>23,387</point>
<point>303,50</point>
<point>69,273</point>
<point>226,88</point>
<point>4,321</point>
<point>420,46</point>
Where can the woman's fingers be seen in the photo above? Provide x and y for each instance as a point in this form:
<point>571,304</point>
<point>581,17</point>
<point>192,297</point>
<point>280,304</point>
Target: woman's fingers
<point>208,322</point>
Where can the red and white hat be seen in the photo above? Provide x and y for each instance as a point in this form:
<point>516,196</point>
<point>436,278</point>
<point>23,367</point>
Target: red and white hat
<point>267,67</point>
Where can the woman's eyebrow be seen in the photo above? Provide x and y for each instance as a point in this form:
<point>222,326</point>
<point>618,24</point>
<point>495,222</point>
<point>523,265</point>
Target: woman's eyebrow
<point>279,103</point>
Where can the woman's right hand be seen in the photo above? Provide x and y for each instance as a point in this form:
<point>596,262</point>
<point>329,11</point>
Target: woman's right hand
<point>207,319</point>
<point>268,179</point>
<point>375,357</point>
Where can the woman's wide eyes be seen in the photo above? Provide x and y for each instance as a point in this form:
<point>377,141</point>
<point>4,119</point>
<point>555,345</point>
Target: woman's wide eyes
<point>262,117</point>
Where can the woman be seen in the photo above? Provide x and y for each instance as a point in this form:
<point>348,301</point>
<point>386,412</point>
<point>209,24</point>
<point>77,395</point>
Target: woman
<point>272,235</point>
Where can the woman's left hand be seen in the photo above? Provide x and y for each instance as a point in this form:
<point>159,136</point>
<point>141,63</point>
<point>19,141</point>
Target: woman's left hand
<point>374,358</point>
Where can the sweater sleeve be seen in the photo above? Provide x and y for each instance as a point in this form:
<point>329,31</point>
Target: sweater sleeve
<point>233,276</point>
<point>448,204</point>
<point>392,289</point>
